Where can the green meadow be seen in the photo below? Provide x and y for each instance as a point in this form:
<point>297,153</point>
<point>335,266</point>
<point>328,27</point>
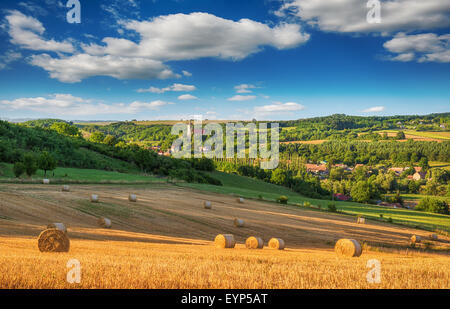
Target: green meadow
<point>76,175</point>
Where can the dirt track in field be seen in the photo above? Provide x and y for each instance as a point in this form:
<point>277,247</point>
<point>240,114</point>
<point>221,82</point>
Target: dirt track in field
<point>169,214</point>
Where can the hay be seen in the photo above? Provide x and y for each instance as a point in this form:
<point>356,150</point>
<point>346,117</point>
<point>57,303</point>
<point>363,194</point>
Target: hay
<point>207,204</point>
<point>132,198</point>
<point>94,198</point>
<point>104,222</point>
<point>65,188</point>
<point>361,220</point>
<point>239,223</point>
<point>224,241</point>
<point>348,247</point>
<point>276,243</point>
<point>241,200</point>
<point>415,239</point>
<point>254,243</point>
<point>58,226</point>
<point>434,237</point>
<point>46,181</point>
<point>53,240</point>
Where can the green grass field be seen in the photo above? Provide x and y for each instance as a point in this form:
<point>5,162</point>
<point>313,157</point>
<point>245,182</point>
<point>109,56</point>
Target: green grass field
<point>435,135</point>
<point>253,188</point>
<point>417,197</point>
<point>75,175</point>
<point>443,165</point>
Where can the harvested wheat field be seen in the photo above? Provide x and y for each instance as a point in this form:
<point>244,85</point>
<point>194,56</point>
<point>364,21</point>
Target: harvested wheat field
<point>165,240</point>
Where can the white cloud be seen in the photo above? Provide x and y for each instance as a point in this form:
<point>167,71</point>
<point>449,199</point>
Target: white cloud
<point>403,57</point>
<point>187,97</point>
<point>426,47</point>
<point>350,15</point>
<point>67,104</point>
<point>278,107</point>
<point>242,98</point>
<point>138,105</point>
<point>199,35</point>
<point>161,39</point>
<point>27,32</point>
<point>244,88</point>
<point>174,87</point>
<point>75,68</point>
<point>374,109</point>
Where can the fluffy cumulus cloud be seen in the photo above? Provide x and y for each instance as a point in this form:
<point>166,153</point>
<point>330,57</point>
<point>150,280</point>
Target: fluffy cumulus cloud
<point>374,109</point>
<point>242,98</point>
<point>199,35</point>
<point>78,67</point>
<point>27,32</point>
<point>175,87</point>
<point>278,107</point>
<point>67,104</point>
<point>187,97</point>
<point>350,15</point>
<point>426,47</point>
<point>160,39</point>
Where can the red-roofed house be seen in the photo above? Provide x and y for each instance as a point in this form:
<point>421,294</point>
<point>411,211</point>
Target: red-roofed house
<point>396,170</point>
<point>316,168</point>
<point>342,197</point>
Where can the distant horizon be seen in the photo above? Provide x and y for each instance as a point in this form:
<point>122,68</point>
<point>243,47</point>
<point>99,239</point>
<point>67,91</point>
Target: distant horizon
<point>20,120</point>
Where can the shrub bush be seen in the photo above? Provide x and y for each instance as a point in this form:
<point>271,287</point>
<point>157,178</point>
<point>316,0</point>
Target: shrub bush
<point>19,169</point>
<point>332,207</point>
<point>282,199</point>
<point>433,205</point>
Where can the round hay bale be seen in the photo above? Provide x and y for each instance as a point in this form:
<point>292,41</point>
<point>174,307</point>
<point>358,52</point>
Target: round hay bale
<point>434,237</point>
<point>348,247</point>
<point>239,223</point>
<point>207,204</point>
<point>58,226</point>
<point>241,200</point>
<point>94,198</point>
<point>46,181</point>
<point>65,188</point>
<point>254,243</point>
<point>276,243</point>
<point>224,241</point>
<point>132,198</point>
<point>53,240</point>
<point>415,239</point>
<point>104,222</point>
<point>361,220</point>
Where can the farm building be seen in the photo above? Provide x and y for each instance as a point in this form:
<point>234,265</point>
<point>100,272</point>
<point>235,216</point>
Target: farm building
<point>418,176</point>
<point>319,169</point>
<point>342,197</point>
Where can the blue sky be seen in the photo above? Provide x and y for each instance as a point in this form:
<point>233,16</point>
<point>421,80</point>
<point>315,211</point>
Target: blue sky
<point>226,59</point>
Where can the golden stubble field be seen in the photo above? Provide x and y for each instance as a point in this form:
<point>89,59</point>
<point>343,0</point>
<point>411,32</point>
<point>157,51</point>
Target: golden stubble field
<point>165,241</point>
